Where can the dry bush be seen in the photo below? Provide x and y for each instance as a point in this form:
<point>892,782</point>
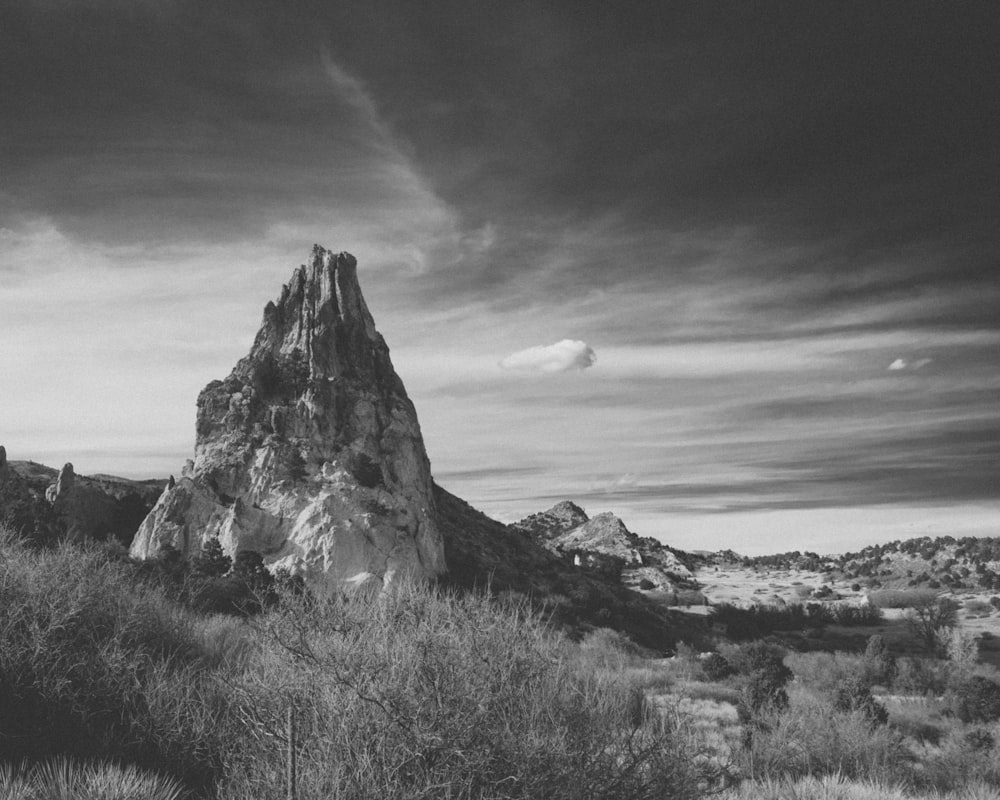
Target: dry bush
<point>98,666</point>
<point>824,672</point>
<point>418,694</point>
<point>920,719</point>
<point>916,675</point>
<point>961,760</point>
<point>809,738</point>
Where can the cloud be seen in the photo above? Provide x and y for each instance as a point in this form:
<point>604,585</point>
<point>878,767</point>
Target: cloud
<point>902,363</point>
<point>559,357</point>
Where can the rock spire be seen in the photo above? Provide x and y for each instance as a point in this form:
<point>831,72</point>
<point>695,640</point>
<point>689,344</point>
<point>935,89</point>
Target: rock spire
<point>310,452</point>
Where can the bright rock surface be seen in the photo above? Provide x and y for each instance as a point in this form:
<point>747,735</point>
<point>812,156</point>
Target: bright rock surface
<point>310,451</point>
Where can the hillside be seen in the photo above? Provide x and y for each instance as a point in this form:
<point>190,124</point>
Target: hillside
<point>940,563</point>
<point>482,552</point>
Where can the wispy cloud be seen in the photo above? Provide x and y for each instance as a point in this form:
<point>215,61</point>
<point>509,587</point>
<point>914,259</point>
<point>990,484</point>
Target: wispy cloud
<point>563,356</point>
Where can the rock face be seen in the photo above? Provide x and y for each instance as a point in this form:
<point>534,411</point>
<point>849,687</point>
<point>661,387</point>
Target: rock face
<point>309,452</point>
<point>605,544</point>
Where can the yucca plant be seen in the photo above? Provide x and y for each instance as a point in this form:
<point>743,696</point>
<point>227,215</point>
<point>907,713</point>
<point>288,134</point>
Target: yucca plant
<point>65,779</point>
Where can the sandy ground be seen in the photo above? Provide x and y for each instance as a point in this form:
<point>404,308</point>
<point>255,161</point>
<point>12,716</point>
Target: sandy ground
<point>744,587</point>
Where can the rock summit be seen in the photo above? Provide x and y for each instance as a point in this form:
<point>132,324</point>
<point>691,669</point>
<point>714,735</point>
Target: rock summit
<point>310,452</point>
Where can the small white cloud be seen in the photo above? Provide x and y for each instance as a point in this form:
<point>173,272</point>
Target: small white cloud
<point>902,363</point>
<point>559,357</point>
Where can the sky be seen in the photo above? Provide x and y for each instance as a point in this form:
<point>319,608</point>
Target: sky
<point>729,270</point>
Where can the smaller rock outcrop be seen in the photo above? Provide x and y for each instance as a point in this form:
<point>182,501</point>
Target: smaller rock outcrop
<point>64,484</point>
<point>559,519</point>
<point>44,503</point>
<point>3,462</point>
<point>606,545</point>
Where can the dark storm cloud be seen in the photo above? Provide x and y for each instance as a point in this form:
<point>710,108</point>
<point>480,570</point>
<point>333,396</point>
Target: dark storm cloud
<point>744,208</point>
<point>868,127</point>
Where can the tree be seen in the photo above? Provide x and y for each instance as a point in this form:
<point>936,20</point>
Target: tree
<point>879,664</point>
<point>766,677</point>
<point>212,561</point>
<point>961,648</point>
<point>930,614</point>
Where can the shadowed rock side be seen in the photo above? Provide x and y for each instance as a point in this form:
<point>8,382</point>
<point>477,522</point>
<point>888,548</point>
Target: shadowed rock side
<point>310,452</point>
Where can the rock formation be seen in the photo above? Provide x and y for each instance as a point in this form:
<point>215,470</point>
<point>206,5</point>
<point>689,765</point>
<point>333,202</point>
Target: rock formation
<point>46,504</point>
<point>3,462</point>
<point>309,452</point>
<point>559,519</point>
<point>604,543</point>
<point>64,484</point>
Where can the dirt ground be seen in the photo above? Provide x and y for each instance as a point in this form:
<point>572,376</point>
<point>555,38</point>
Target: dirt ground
<point>745,587</point>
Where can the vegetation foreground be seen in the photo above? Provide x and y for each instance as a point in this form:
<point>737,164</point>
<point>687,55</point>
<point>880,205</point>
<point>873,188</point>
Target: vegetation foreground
<point>171,680</point>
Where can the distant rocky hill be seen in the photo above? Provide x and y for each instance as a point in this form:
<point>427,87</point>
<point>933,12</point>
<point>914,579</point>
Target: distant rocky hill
<point>944,562</point>
<point>482,552</point>
<point>309,452</point>
<point>46,503</point>
<point>604,544</point>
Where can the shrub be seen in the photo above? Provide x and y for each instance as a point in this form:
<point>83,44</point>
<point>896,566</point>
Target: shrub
<point>95,665</point>
<point>849,614</point>
<point>824,672</point>
<point>420,694</point>
<point>978,607</point>
<point>962,761</point>
<point>979,738</point>
<point>916,675</point>
<point>367,471</point>
<point>976,699</point>
<point>716,667</point>
<point>810,739</point>
<point>764,687</point>
<point>855,695</point>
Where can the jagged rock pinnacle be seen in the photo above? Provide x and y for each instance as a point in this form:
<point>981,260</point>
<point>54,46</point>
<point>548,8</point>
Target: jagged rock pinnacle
<point>310,451</point>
